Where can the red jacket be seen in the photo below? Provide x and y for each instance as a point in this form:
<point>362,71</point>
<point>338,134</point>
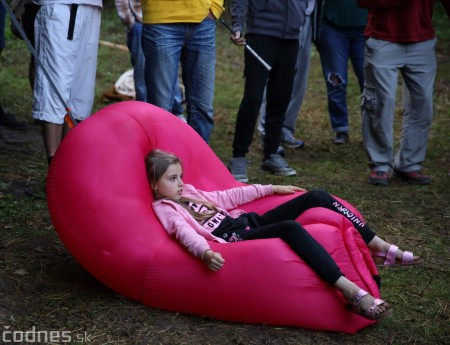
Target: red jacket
<point>400,20</point>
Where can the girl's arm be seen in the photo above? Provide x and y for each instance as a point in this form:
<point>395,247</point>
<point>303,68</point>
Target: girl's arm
<point>280,189</point>
<point>231,198</point>
<point>177,226</point>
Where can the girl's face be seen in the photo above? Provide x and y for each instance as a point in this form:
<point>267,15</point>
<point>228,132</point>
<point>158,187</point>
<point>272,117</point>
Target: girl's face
<point>170,184</point>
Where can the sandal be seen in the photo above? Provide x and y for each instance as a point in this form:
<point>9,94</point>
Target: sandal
<point>391,257</point>
<point>370,313</point>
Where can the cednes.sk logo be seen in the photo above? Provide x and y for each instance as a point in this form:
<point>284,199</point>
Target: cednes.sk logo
<point>33,335</point>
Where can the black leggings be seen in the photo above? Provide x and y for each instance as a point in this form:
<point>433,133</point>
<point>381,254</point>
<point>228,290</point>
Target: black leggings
<point>280,223</point>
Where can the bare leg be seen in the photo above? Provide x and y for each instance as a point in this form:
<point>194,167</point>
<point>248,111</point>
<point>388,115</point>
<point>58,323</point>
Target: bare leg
<point>350,290</point>
<point>377,244</point>
<point>52,134</point>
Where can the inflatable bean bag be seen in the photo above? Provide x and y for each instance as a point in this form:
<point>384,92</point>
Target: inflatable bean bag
<point>100,204</point>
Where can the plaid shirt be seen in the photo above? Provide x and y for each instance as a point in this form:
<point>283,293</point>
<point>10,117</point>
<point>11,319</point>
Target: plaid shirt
<point>129,11</point>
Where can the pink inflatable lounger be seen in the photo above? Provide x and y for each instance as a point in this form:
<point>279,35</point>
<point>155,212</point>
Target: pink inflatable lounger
<point>100,204</point>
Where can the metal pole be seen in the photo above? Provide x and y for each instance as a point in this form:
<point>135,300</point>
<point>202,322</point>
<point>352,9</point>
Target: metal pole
<point>259,58</point>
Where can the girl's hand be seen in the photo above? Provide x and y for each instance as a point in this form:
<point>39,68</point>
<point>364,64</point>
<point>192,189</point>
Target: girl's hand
<point>213,260</point>
<point>278,189</point>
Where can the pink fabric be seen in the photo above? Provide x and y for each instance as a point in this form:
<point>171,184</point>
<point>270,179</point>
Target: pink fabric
<point>182,226</point>
<point>100,205</point>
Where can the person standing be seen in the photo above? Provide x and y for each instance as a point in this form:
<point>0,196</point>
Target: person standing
<point>273,31</point>
<point>130,13</point>
<point>288,138</point>
<point>173,34</point>
<point>66,39</point>
<point>400,38</point>
<point>339,35</point>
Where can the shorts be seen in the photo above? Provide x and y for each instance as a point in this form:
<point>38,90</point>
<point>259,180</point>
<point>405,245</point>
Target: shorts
<point>70,63</point>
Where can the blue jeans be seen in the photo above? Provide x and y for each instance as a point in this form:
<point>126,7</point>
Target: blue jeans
<point>192,44</point>
<point>336,45</point>
<point>137,60</point>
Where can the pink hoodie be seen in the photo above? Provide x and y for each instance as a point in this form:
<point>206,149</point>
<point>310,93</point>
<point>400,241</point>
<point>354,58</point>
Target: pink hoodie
<point>177,221</point>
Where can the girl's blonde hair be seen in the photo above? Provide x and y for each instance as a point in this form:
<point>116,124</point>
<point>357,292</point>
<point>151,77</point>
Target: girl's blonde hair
<point>156,164</point>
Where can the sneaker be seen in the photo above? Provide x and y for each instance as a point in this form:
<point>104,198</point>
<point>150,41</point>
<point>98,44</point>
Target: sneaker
<point>341,138</point>
<point>276,165</point>
<point>238,168</point>
<point>414,177</point>
<point>289,141</point>
<point>378,178</point>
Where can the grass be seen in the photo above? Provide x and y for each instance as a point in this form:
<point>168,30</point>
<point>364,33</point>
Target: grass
<point>42,286</point>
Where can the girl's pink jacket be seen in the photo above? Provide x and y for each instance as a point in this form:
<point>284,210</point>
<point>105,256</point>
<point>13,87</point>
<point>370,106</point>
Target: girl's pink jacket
<point>177,221</point>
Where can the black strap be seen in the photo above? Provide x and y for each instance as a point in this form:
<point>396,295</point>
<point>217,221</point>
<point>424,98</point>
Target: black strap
<point>73,15</point>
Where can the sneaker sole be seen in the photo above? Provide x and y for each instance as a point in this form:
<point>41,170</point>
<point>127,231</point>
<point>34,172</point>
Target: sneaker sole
<point>410,181</point>
<point>280,173</point>
<point>290,146</point>
<point>243,179</point>
<point>382,183</point>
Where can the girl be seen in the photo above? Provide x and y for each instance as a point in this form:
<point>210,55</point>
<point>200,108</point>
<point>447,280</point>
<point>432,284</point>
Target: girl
<point>195,217</point>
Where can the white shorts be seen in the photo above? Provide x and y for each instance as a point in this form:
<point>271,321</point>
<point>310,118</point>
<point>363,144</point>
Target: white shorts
<point>71,64</point>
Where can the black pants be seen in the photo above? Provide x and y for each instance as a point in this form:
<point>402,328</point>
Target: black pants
<point>280,223</point>
<point>282,56</point>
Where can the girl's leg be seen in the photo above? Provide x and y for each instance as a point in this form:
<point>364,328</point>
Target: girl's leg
<point>293,208</point>
<point>363,303</point>
<point>307,248</point>
<point>315,198</point>
<point>301,242</point>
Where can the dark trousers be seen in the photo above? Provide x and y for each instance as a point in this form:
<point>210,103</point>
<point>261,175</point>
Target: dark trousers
<point>282,56</point>
<point>280,223</point>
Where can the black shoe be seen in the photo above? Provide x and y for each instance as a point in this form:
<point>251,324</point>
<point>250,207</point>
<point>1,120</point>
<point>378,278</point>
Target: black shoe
<point>8,120</point>
<point>341,138</point>
<point>414,177</point>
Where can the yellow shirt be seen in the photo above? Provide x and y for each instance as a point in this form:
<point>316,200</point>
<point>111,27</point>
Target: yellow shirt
<point>179,11</point>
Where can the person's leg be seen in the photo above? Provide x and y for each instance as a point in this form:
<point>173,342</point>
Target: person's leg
<point>333,50</point>
<point>52,134</point>
<point>58,55</point>
<point>382,62</point>
<point>198,61</point>
<point>293,208</point>
<point>300,78</point>
<point>86,37</point>
<point>279,91</point>
<point>177,107</point>
<point>255,81</point>
<point>301,242</point>
<point>137,60</point>
<point>357,52</point>
<point>162,44</point>
<point>28,18</point>
<point>320,261</point>
<point>418,76</point>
